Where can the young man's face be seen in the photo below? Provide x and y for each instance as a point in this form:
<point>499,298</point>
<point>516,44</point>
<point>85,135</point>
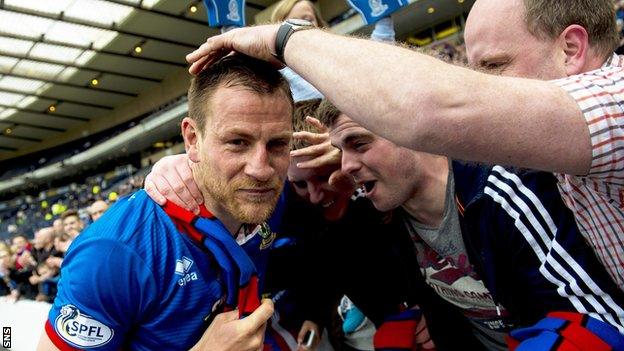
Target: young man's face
<point>72,226</point>
<point>313,185</point>
<point>499,42</point>
<point>386,170</point>
<point>242,155</point>
<point>20,243</point>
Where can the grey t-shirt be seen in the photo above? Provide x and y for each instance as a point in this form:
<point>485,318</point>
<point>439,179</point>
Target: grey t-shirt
<point>444,263</point>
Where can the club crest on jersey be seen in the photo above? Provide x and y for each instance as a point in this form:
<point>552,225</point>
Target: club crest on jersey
<point>377,7</point>
<point>267,236</point>
<point>233,15</point>
<point>81,330</point>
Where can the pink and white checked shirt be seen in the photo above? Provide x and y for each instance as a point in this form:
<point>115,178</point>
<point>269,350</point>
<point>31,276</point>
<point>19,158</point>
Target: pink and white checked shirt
<point>597,199</point>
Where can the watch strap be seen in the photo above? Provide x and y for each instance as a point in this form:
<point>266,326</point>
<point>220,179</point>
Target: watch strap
<point>283,33</point>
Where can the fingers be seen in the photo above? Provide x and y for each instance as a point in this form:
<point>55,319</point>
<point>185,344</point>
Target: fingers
<point>183,190</point>
<point>302,332</point>
<point>225,317</point>
<point>187,176</point>
<point>423,339</point>
<point>153,192</point>
<point>213,49</point>
<point>312,138</point>
<point>165,189</point>
<point>313,150</point>
<point>327,159</point>
<point>259,317</point>
<point>316,123</point>
<point>172,179</point>
<point>204,50</point>
<point>198,66</point>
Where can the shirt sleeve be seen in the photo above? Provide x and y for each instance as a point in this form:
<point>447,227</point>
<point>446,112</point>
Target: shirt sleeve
<point>105,288</point>
<point>600,99</point>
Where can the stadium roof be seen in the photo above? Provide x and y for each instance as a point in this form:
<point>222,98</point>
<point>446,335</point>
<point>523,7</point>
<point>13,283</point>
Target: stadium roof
<point>65,63</point>
<point>70,68</point>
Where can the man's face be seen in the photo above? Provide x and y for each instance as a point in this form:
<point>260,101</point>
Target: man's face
<point>312,184</point>
<point>498,42</point>
<point>386,171</point>
<point>97,209</point>
<point>243,153</point>
<point>19,243</point>
<point>72,226</point>
<point>43,238</point>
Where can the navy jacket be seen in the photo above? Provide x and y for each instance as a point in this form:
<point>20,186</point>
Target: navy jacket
<point>525,245</point>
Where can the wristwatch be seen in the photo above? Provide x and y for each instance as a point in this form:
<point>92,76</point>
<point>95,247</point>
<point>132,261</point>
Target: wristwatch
<point>284,32</point>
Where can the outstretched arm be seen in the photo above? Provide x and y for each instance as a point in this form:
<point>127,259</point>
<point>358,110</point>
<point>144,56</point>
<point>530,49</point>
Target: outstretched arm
<point>424,104</point>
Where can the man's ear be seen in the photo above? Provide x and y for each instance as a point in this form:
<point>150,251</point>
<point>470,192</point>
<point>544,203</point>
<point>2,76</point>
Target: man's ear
<point>575,42</point>
<point>191,136</point>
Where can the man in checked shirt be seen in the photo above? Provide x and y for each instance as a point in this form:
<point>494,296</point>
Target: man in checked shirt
<point>568,118</point>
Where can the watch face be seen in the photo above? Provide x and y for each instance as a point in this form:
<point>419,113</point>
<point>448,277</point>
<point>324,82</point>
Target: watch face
<point>299,22</point>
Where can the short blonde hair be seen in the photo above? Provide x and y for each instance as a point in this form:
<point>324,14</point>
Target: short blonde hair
<point>284,7</point>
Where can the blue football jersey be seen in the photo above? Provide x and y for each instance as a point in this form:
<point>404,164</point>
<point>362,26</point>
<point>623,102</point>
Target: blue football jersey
<point>132,280</point>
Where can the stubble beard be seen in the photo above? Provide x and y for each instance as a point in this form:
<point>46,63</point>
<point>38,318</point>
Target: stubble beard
<point>225,195</point>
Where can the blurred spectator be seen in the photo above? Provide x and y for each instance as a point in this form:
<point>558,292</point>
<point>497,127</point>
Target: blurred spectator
<point>6,263</point>
<point>43,244</point>
<point>23,265</point>
<point>45,278</point>
<point>58,227</point>
<point>23,257</point>
<point>97,209</point>
<point>72,224</point>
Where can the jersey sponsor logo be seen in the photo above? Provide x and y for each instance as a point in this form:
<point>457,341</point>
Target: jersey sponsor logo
<point>81,330</point>
<point>183,268</point>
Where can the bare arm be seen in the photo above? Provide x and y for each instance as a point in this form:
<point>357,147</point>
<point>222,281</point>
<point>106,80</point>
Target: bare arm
<point>45,344</point>
<point>425,104</point>
<point>428,105</point>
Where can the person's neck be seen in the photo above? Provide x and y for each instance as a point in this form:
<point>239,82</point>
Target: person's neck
<point>427,203</point>
<point>213,206</point>
<point>594,61</point>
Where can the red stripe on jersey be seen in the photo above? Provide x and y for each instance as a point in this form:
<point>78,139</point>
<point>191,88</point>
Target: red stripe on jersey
<point>56,340</point>
<point>395,335</point>
<point>248,300</point>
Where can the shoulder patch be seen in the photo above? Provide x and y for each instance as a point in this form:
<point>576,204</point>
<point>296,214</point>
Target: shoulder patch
<point>81,330</point>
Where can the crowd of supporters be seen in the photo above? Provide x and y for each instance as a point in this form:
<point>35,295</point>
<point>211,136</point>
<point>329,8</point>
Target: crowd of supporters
<point>37,233</point>
<point>35,236</point>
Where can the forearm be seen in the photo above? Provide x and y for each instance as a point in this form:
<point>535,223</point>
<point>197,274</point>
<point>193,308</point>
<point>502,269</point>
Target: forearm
<point>342,66</point>
<point>422,103</point>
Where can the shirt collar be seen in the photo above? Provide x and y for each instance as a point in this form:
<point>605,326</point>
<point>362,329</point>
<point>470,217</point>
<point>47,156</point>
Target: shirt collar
<point>614,61</point>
